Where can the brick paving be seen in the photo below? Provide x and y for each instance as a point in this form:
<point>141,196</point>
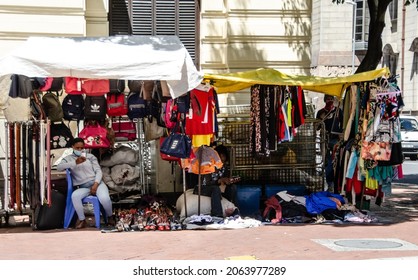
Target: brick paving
<point>398,218</point>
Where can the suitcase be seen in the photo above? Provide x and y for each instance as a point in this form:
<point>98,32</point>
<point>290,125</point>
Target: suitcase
<point>51,217</point>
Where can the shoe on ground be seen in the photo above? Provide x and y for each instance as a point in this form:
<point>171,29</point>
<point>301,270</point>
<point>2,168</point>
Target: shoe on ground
<point>81,224</point>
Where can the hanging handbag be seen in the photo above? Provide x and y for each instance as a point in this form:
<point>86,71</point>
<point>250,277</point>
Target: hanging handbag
<point>61,136</point>
<point>165,156</point>
<point>170,114</point>
<point>72,85</point>
<point>396,156</point>
<point>152,130</point>
<point>177,144</point>
<point>94,136</point>
<point>95,87</point>
<point>376,150</point>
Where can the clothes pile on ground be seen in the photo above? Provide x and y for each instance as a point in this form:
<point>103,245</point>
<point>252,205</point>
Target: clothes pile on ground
<point>319,207</point>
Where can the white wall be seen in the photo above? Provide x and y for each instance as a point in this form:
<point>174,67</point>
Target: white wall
<point>250,34</point>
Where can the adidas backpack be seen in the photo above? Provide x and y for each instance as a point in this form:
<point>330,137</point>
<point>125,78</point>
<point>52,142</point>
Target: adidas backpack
<point>73,107</point>
<point>95,107</point>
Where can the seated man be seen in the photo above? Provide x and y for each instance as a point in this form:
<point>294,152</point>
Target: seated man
<point>217,185</point>
<point>223,177</point>
<point>87,179</point>
<point>210,188</point>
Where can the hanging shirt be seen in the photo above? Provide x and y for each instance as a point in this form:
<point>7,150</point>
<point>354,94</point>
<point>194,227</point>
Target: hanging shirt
<point>200,119</point>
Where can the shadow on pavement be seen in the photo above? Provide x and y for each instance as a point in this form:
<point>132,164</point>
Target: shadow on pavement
<point>400,206</point>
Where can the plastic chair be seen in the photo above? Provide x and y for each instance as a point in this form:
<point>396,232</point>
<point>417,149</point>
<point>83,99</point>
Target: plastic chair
<point>69,208</point>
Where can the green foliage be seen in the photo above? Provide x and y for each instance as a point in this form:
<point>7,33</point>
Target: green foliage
<point>407,3</point>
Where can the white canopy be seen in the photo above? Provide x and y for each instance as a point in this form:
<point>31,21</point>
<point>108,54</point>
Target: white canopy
<point>118,57</point>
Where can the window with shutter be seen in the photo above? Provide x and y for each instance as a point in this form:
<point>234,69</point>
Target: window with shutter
<point>156,17</point>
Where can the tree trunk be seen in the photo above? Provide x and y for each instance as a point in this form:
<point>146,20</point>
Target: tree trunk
<point>373,55</point>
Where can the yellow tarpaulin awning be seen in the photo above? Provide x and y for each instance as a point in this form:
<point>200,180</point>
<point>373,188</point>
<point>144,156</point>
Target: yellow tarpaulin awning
<point>232,82</point>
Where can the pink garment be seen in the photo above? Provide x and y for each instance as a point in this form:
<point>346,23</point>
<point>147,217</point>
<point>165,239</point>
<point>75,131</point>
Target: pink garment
<point>400,171</point>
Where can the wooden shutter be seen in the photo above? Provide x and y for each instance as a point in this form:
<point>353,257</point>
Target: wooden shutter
<point>156,17</point>
<point>187,26</point>
<point>119,14</point>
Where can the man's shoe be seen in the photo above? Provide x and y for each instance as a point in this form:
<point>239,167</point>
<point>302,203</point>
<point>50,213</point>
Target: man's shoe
<point>81,224</point>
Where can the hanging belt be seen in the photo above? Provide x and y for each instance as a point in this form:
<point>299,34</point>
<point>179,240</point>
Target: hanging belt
<point>24,162</point>
<point>48,161</point>
<point>31,171</point>
<point>6,175</point>
<point>12,176</point>
<point>17,170</point>
<point>36,187</point>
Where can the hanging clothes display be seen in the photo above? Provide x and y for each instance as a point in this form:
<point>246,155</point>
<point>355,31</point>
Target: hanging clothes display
<point>276,113</point>
<point>370,154</point>
<point>201,121</point>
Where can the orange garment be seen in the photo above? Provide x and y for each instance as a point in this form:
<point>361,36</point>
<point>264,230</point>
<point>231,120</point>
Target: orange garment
<point>210,161</point>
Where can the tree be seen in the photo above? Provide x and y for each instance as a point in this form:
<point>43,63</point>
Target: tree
<point>377,9</point>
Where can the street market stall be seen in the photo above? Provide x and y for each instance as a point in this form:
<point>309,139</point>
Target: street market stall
<point>120,58</point>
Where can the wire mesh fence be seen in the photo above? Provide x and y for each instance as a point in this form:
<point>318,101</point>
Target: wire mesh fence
<point>296,162</point>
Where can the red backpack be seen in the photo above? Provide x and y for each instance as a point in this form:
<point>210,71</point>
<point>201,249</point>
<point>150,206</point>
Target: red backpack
<point>273,210</point>
<point>116,104</point>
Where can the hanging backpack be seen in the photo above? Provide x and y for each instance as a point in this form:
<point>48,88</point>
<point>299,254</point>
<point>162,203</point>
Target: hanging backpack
<point>21,86</point>
<point>124,128</point>
<point>73,107</point>
<point>116,86</point>
<point>57,84</point>
<point>61,136</point>
<point>137,105</point>
<point>135,86</point>
<point>36,105</point>
<point>116,104</point>
<point>95,107</point>
<point>52,107</point>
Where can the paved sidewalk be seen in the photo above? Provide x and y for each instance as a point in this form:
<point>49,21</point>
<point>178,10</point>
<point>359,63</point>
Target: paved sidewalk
<point>395,236</point>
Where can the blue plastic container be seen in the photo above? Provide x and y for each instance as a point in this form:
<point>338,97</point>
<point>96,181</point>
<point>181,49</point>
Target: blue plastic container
<point>248,200</point>
<point>297,190</point>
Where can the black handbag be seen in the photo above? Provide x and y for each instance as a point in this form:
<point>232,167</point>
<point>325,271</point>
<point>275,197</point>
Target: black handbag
<point>61,136</point>
<point>177,144</point>
<point>396,156</point>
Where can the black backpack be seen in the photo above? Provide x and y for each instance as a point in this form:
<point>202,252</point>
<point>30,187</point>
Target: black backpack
<point>116,86</point>
<point>73,107</point>
<point>21,86</point>
<point>95,107</point>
